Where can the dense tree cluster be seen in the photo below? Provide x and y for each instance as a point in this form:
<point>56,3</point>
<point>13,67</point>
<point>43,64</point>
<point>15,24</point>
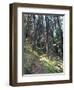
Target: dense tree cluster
<point>44,35</point>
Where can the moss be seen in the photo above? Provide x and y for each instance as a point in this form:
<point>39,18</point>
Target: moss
<point>48,65</point>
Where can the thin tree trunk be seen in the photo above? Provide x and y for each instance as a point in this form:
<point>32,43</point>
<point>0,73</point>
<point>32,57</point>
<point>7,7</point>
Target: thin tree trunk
<point>47,47</point>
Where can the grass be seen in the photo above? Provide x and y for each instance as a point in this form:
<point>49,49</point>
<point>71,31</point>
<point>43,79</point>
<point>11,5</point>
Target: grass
<point>47,65</point>
<point>51,66</point>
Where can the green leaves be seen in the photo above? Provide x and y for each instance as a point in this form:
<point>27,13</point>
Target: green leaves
<point>43,43</point>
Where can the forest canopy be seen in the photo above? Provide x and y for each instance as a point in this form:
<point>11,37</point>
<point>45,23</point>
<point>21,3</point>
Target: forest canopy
<point>43,43</point>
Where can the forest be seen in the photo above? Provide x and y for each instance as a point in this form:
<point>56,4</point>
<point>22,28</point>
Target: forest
<point>43,43</point>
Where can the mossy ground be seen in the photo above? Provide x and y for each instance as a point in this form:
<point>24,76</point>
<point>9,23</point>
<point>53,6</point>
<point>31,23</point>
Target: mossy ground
<point>39,62</point>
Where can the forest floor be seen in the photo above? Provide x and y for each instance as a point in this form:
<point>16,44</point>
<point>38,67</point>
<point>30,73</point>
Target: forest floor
<point>34,63</point>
